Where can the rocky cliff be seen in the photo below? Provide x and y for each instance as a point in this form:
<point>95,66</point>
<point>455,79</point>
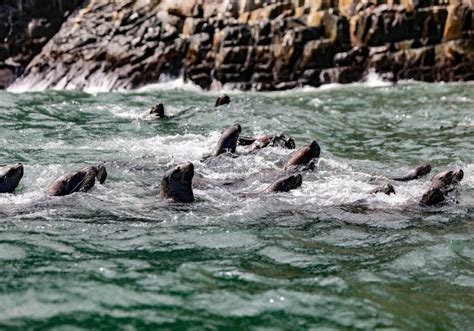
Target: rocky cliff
<point>25,27</point>
<point>255,44</point>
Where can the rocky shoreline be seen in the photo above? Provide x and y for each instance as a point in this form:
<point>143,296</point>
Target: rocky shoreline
<point>245,44</point>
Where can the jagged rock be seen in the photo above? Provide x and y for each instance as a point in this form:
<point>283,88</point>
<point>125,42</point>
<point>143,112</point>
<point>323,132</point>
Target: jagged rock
<point>260,44</point>
<point>458,22</point>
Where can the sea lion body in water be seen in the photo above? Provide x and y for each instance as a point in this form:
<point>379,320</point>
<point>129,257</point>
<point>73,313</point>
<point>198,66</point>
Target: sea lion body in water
<point>158,111</point>
<point>441,184</point>
<point>413,174</point>
<point>228,141</point>
<point>10,177</point>
<point>81,180</point>
<point>222,100</point>
<point>177,183</point>
<point>267,140</point>
<point>386,189</point>
<point>285,184</point>
<point>282,184</point>
<point>303,156</point>
<point>299,161</point>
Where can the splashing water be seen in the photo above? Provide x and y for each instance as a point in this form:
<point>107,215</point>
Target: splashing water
<point>327,255</point>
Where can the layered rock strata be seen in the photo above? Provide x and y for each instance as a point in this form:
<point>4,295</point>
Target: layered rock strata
<point>257,44</point>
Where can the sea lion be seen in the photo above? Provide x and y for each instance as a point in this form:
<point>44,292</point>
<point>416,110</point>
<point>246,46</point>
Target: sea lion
<point>228,140</point>
<point>414,173</point>
<point>81,180</point>
<point>177,183</point>
<point>441,185</point>
<point>10,176</point>
<point>303,156</point>
<point>222,100</point>
<point>447,180</point>
<point>285,184</point>
<point>386,188</point>
<point>432,197</point>
<point>158,111</point>
<point>267,140</point>
<point>282,184</point>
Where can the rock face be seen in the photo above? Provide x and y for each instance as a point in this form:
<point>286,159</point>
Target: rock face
<point>25,27</point>
<point>254,44</point>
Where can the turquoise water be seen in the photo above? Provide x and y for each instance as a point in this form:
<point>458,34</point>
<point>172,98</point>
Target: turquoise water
<point>325,256</point>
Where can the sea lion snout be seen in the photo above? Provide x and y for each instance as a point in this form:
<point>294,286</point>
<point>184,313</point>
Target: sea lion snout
<point>158,110</point>
<point>101,173</point>
<point>184,172</point>
<point>315,148</point>
<point>237,127</point>
<point>424,169</point>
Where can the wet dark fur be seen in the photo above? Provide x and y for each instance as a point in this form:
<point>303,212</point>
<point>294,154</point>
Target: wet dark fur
<point>81,180</point>
<point>177,183</point>
<point>10,177</point>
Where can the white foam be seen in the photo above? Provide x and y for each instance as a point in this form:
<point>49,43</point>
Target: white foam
<point>169,84</point>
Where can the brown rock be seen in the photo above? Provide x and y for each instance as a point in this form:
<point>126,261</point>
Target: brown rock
<point>459,21</point>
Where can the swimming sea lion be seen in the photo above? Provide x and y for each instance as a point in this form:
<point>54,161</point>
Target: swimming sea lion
<point>441,184</point>
<point>282,184</point>
<point>81,180</point>
<point>228,140</point>
<point>303,156</point>
<point>432,197</point>
<point>177,183</point>
<point>414,173</point>
<point>222,100</point>
<point>10,176</point>
<point>446,180</point>
<point>285,184</point>
<point>158,111</point>
<point>386,188</point>
<point>267,140</point>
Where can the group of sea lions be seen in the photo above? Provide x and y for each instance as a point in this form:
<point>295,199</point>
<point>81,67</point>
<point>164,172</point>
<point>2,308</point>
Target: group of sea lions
<point>177,184</point>
<point>80,180</point>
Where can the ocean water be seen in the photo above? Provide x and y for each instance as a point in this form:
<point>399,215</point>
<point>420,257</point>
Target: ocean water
<point>327,256</point>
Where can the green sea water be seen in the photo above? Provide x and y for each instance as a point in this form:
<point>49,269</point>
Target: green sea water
<point>327,256</point>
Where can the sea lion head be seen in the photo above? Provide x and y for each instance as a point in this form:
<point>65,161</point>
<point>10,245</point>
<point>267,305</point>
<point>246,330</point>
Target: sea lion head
<point>177,183</point>
<point>284,141</point>
<point>386,188</point>
<point>458,175</point>
<point>315,149</point>
<point>422,170</point>
<point>290,143</point>
<point>158,110</point>
<point>222,100</point>
<point>304,155</point>
<point>448,178</point>
<point>286,183</point>
<point>10,176</point>
<point>101,174</point>
<point>228,140</point>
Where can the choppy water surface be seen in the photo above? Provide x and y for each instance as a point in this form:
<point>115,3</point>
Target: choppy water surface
<point>326,255</point>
